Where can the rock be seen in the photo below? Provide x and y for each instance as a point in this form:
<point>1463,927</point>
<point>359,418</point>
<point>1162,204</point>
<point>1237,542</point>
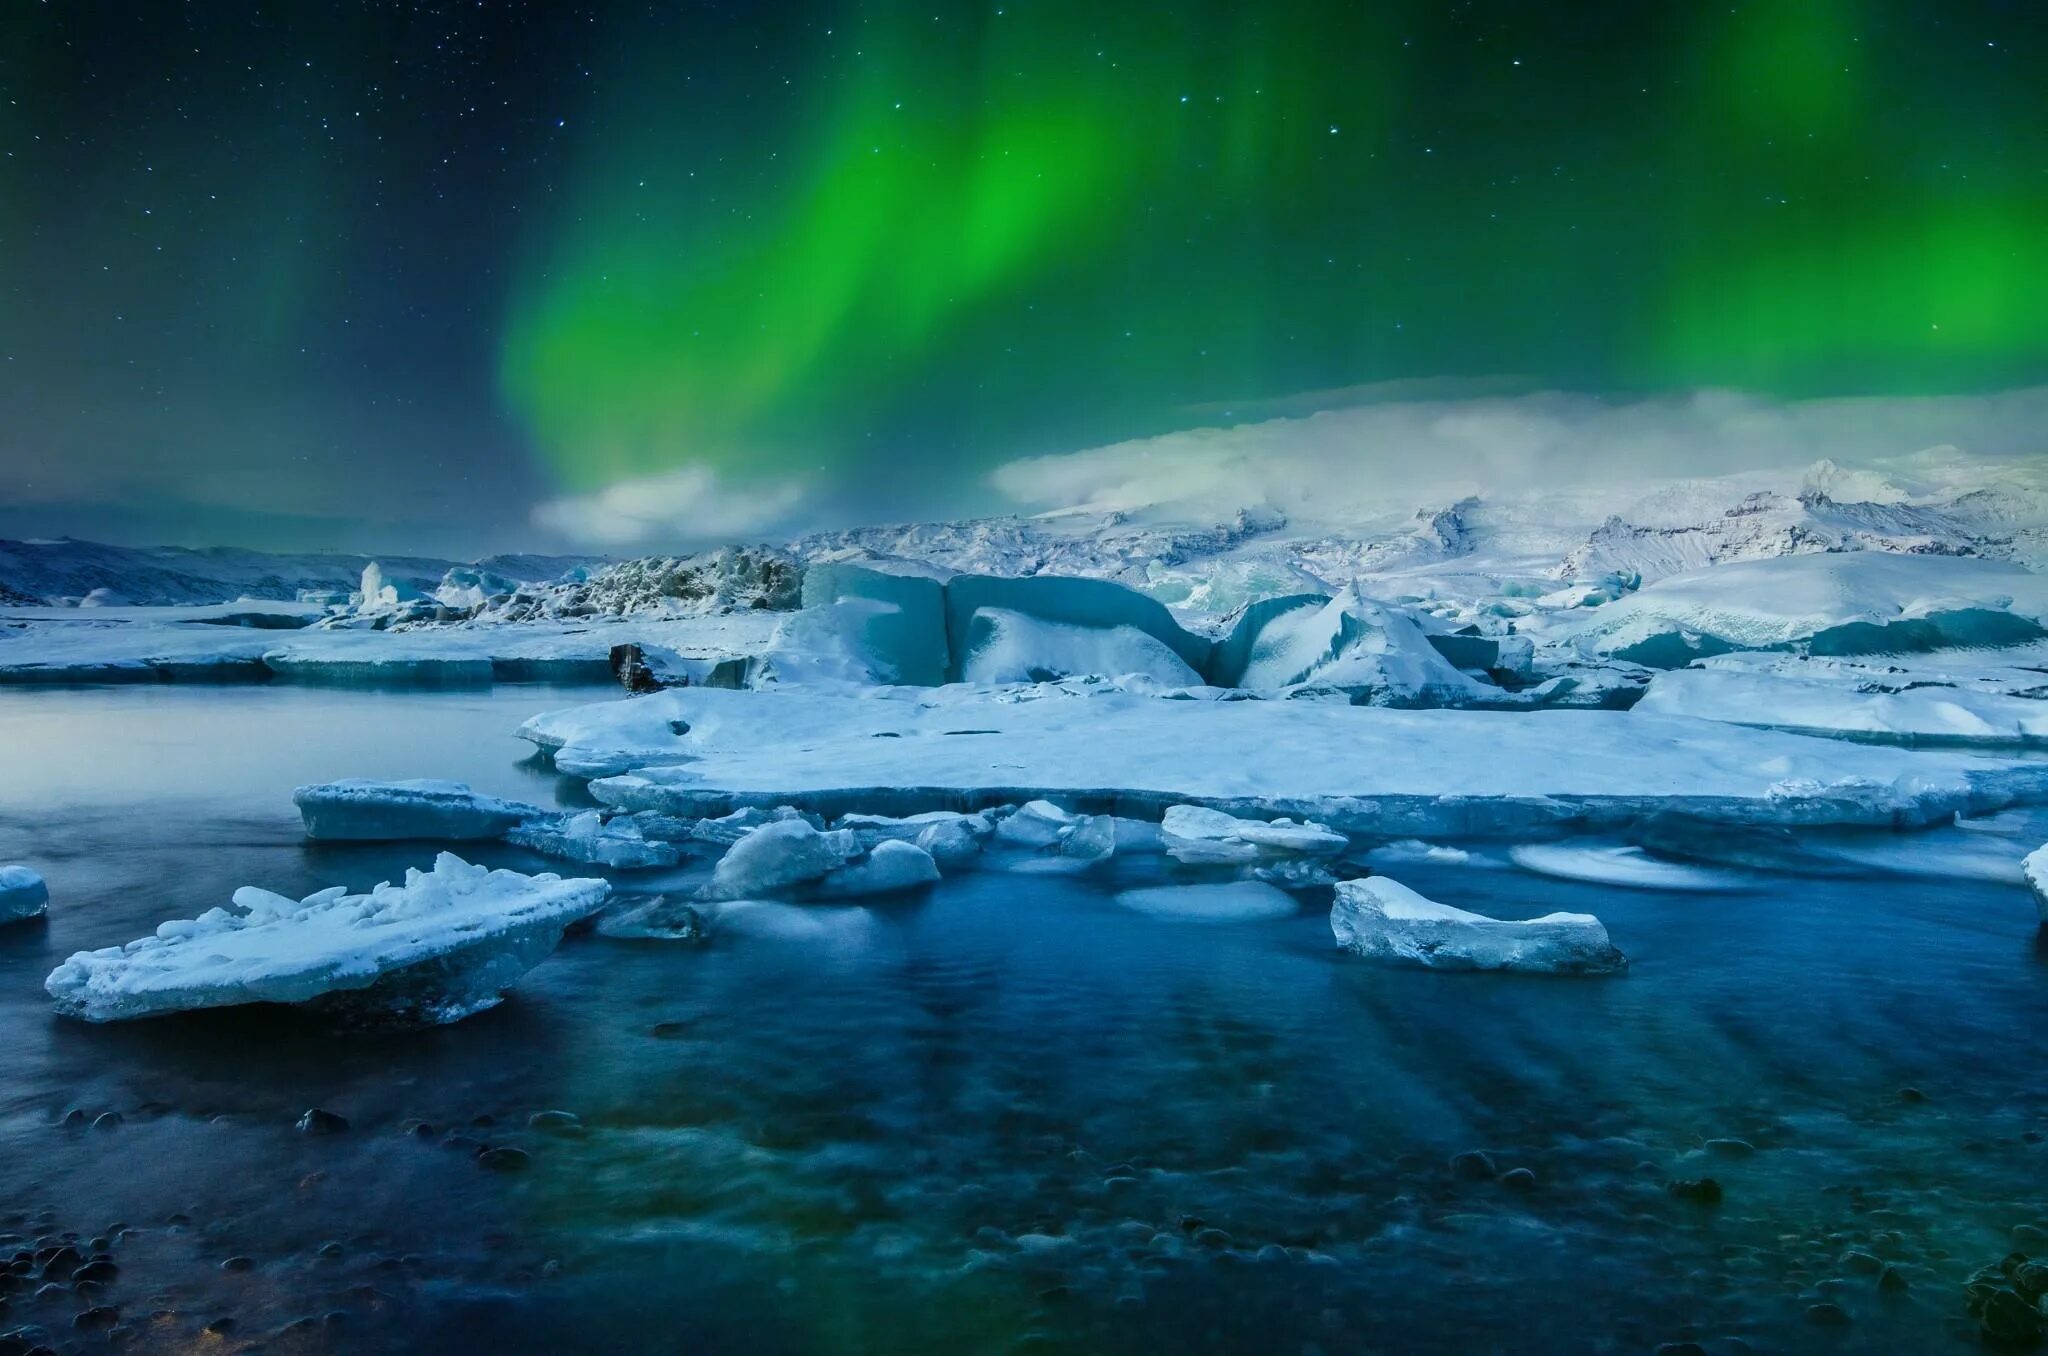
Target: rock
<point>106,1120</point>
<point>1861,1263</point>
<point>97,1319</point>
<point>1912,1095</point>
<point>319,1122</point>
<point>1827,1315</point>
<point>238,1263</point>
<point>1892,1281</point>
<point>1700,1191</point>
<point>1680,1349</point>
<point>555,1122</point>
<point>505,1159</point>
<point>2006,1318</point>
<point>1520,1179</point>
<point>1730,1148</point>
<point>23,895</point>
<point>1381,919</point>
<point>1473,1165</point>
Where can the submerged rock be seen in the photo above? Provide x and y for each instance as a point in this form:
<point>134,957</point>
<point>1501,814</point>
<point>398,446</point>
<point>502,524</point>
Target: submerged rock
<point>22,894</point>
<point>443,945</point>
<point>1382,919</point>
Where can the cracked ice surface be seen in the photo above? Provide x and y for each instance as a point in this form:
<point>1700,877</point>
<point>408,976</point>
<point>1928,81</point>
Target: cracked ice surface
<point>1355,770</point>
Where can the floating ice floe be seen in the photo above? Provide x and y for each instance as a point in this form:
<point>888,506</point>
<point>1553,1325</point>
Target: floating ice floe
<point>358,810</point>
<point>22,894</point>
<point>791,859</point>
<point>1381,919</point>
<point>952,838</point>
<point>1193,834</point>
<point>445,944</point>
<point>1241,901</point>
<point>2036,867</point>
<point>1620,864</point>
<point>692,752</point>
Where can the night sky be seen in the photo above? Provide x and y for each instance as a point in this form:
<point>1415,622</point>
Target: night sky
<point>305,274</point>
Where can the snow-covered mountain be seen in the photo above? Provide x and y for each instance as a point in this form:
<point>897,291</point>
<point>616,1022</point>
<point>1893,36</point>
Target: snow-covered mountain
<point>65,571</point>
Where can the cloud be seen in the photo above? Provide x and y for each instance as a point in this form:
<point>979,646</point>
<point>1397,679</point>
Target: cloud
<point>1400,453</point>
<point>685,506</point>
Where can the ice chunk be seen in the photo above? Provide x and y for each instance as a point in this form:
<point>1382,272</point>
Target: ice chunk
<point>1846,707</point>
<point>843,642</point>
<point>1381,919</point>
<point>1041,825</point>
<point>729,829</point>
<point>891,868</point>
<point>1012,647</point>
<point>1376,654</point>
<point>909,639</point>
<point>1194,834</point>
<point>2036,867</point>
<point>1089,605</point>
<point>22,894</point>
<point>364,811</point>
<point>1242,901</point>
<point>445,944</point>
<point>1624,865</point>
<point>655,919</point>
<point>588,837</point>
<point>778,858</point>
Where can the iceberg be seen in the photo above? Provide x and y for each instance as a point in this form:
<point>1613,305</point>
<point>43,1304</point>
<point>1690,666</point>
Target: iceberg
<point>1376,654</point>
<point>1243,901</point>
<point>1004,646</point>
<point>356,810</point>
<point>1193,834</point>
<point>1067,604</point>
<point>22,894</point>
<point>1381,919</point>
<point>445,944</point>
<point>2036,867</point>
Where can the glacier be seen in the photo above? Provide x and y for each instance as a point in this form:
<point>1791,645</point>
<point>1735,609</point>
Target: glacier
<point>1381,919</point>
<point>445,944</point>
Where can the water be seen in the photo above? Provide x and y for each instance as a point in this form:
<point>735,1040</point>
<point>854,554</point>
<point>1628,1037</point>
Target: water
<point>1014,1115</point>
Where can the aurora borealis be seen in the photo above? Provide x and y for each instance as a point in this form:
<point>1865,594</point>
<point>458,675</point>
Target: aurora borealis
<point>286,270</point>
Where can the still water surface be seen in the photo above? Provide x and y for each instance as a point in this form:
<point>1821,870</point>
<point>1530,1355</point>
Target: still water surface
<point>1010,1116</point>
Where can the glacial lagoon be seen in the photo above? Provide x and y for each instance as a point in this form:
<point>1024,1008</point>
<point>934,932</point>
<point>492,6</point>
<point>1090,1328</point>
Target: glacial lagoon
<point>1009,1115</point>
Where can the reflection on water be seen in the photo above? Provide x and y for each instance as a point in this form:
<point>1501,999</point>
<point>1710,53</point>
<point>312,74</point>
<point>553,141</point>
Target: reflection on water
<point>1013,1115</point>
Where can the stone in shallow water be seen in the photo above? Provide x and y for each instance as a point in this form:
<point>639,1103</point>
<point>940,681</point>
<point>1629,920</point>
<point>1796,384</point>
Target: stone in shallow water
<point>443,945</point>
<point>1382,919</point>
<point>22,894</point>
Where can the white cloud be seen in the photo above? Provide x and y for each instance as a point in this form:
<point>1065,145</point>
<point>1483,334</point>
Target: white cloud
<point>685,506</point>
<point>1395,453</point>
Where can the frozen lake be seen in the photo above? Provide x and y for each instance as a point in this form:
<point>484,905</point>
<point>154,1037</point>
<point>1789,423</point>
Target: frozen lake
<point>1011,1115</point>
